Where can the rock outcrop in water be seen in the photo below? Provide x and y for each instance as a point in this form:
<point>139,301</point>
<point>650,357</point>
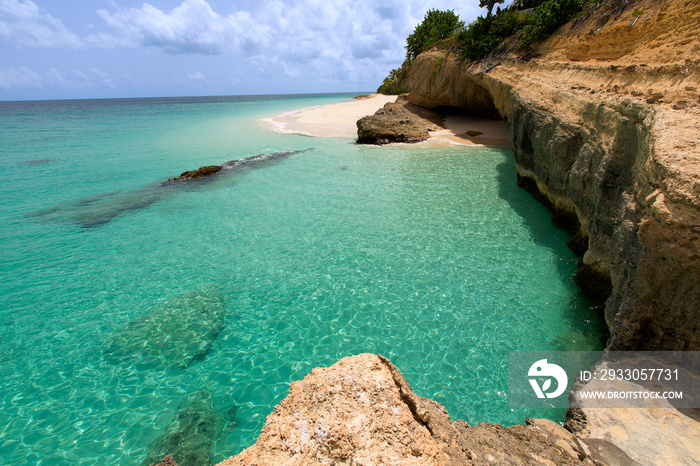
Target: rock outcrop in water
<point>100,209</point>
<point>201,172</point>
<point>361,410</point>
<point>611,147</point>
<point>172,335</point>
<point>246,162</point>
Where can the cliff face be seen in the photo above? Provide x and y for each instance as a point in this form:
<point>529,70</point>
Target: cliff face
<point>612,148</point>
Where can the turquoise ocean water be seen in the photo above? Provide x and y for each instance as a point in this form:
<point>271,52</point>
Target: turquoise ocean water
<point>130,310</point>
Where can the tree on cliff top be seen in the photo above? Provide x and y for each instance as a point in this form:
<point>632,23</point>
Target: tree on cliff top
<point>489,4</point>
<point>436,25</point>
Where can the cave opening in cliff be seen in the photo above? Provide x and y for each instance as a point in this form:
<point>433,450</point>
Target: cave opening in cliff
<point>466,127</point>
<point>489,114</point>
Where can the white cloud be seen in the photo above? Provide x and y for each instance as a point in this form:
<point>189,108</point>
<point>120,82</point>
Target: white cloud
<point>317,33</point>
<point>25,78</point>
<point>24,24</point>
<point>320,44</point>
<point>196,76</point>
<point>191,28</point>
<point>315,39</point>
<point>21,77</point>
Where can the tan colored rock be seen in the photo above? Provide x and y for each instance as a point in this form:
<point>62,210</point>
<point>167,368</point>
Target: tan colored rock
<point>438,82</point>
<point>398,121</point>
<point>361,411</point>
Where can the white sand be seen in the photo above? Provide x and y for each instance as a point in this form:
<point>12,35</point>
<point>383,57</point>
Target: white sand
<point>494,132</point>
<point>339,120</point>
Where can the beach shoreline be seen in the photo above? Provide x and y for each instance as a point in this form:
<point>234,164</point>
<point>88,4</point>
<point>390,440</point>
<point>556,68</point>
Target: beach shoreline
<point>339,120</point>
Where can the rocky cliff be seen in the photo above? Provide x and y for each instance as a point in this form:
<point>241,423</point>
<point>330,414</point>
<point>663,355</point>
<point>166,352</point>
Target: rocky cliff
<point>605,127</point>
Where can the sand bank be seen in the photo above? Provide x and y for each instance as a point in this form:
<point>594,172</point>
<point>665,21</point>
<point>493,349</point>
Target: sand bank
<point>339,120</point>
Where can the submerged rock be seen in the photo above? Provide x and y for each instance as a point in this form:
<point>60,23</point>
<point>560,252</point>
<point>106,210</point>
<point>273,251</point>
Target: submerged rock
<point>361,410</point>
<point>167,461</point>
<point>172,335</point>
<point>190,438</point>
<point>398,121</point>
<point>100,209</point>
<point>37,161</point>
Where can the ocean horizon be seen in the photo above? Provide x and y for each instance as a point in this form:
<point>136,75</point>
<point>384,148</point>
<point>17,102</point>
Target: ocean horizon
<point>134,310</point>
<point>200,98</point>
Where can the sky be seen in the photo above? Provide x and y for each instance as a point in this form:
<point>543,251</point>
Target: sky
<point>73,49</point>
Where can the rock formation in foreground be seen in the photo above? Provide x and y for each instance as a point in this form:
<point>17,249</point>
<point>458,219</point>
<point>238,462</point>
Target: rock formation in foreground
<point>361,411</point>
<point>605,128</point>
<point>399,121</point>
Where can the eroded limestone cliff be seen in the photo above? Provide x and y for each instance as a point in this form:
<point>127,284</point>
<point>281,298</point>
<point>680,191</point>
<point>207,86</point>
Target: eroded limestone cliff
<point>612,147</point>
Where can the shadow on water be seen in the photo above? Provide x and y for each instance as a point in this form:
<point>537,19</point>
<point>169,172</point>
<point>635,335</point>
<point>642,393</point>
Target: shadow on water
<point>37,162</point>
<point>585,327</point>
<point>100,209</point>
<point>535,216</point>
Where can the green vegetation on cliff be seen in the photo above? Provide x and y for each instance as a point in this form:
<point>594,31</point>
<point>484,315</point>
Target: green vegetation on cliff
<point>436,26</point>
<point>485,34</point>
<point>522,24</point>
<point>531,20</point>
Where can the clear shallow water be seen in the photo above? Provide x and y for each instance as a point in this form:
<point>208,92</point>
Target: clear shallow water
<point>432,257</point>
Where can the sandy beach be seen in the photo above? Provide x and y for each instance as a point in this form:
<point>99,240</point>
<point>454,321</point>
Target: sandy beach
<point>339,120</point>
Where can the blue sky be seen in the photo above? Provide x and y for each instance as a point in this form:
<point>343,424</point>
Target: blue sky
<point>51,49</point>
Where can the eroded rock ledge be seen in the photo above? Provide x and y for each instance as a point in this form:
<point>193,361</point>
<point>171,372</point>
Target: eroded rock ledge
<point>361,411</point>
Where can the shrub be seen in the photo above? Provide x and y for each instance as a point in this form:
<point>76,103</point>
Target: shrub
<point>550,15</point>
<point>436,25</point>
<point>397,81</point>
<point>485,34</point>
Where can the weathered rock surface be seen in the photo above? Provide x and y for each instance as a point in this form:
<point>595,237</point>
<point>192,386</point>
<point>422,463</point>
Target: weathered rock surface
<point>167,461</point>
<point>201,172</point>
<point>622,173</point>
<point>399,121</point>
<point>362,411</point>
